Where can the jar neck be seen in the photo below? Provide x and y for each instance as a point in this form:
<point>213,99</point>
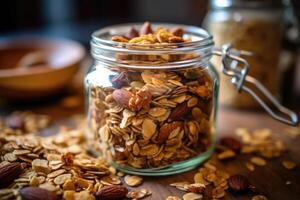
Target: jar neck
<point>155,56</point>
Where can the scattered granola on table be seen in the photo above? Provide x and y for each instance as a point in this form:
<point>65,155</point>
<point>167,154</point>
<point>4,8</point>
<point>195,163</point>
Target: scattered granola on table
<point>213,183</point>
<point>207,176</point>
<point>23,122</point>
<point>261,143</point>
<point>59,166</point>
<point>35,167</point>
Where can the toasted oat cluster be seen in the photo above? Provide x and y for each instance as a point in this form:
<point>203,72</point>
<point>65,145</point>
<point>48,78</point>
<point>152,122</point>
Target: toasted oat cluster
<point>147,36</point>
<point>152,118</point>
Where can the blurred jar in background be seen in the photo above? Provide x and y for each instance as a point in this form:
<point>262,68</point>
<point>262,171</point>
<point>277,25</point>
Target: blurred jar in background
<point>252,25</point>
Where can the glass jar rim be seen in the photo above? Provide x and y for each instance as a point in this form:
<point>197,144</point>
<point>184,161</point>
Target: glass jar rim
<point>101,45</point>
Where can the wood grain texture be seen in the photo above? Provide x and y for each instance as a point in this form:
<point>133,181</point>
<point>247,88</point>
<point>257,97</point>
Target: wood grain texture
<point>269,180</point>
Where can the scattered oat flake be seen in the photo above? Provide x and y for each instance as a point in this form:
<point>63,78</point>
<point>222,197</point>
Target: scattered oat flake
<point>289,164</point>
<point>293,132</point>
<point>173,198</point>
<point>250,166</point>
<point>133,180</point>
<point>192,196</point>
<point>288,182</point>
<point>61,179</point>
<point>56,173</point>
<point>21,152</point>
<point>227,154</point>
<point>248,149</point>
<point>180,185</point>
<point>138,193</point>
<point>258,161</point>
<point>48,186</point>
<point>259,197</point>
<point>10,157</point>
<point>121,174</point>
<point>198,178</point>
<point>5,191</point>
<point>40,165</point>
<point>71,102</point>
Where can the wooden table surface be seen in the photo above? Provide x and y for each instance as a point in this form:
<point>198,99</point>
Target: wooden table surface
<point>269,180</point>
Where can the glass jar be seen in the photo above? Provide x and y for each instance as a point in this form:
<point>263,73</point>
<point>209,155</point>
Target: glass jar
<point>254,26</point>
<point>151,108</point>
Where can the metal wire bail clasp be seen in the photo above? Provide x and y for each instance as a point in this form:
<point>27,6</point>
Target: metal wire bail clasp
<point>237,68</point>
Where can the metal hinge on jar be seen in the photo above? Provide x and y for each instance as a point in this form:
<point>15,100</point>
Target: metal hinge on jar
<point>237,68</point>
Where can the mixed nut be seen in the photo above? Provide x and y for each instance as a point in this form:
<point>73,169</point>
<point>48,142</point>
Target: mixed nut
<point>151,117</point>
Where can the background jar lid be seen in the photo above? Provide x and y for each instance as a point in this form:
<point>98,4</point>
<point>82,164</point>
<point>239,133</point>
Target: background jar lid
<point>222,4</point>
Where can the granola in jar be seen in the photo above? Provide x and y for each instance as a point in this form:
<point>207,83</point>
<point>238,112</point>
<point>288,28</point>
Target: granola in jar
<point>142,114</point>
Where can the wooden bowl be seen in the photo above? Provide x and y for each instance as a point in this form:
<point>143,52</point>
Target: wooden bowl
<point>35,67</point>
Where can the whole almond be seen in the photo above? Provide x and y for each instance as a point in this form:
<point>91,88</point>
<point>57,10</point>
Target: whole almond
<point>166,129</point>
<point>175,39</point>
<point>111,192</point>
<point>9,172</point>
<point>132,33</point>
<point>119,80</point>
<point>177,31</point>
<point>238,183</point>
<point>122,97</point>
<point>180,111</point>
<point>146,29</point>
<point>36,193</point>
